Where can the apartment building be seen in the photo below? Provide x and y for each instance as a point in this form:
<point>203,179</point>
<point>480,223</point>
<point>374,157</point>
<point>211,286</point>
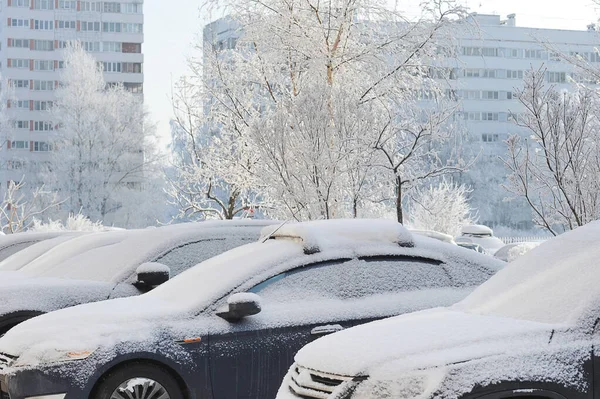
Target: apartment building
<point>493,56</point>
<point>33,35</point>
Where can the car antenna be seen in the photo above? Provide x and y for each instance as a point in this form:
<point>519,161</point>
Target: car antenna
<point>273,232</point>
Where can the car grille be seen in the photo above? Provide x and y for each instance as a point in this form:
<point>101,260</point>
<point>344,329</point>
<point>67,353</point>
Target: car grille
<point>5,361</point>
<point>306,383</point>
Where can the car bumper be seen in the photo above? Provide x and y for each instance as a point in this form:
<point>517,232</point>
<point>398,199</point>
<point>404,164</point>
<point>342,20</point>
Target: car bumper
<point>51,383</point>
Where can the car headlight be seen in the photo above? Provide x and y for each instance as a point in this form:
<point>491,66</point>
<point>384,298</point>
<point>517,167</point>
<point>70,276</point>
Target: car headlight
<point>51,356</point>
<point>414,385</point>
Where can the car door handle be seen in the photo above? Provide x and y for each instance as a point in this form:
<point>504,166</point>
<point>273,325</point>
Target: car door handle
<point>328,329</point>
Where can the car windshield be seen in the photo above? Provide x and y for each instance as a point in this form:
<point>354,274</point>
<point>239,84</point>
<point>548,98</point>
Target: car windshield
<point>200,286</point>
<point>116,260</point>
<point>557,282</point>
<point>13,249</point>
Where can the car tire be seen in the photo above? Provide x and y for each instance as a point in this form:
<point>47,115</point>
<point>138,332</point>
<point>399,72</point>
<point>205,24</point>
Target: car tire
<point>138,380</point>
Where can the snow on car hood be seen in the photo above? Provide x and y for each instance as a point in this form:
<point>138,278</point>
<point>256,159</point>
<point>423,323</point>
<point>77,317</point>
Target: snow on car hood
<point>85,328</point>
<point>424,339</point>
<point>20,292</point>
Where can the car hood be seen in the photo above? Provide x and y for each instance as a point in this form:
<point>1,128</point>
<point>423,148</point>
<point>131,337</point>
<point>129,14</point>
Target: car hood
<point>21,292</point>
<point>419,340</point>
<point>86,328</point>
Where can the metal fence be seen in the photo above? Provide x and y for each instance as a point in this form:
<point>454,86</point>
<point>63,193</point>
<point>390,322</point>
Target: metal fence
<point>511,240</point>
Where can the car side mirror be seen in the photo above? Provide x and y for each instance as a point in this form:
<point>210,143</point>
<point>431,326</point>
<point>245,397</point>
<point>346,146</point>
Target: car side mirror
<point>240,305</point>
<point>152,274</point>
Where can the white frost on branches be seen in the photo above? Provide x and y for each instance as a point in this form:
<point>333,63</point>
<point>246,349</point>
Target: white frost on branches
<point>443,207</point>
<point>557,169</point>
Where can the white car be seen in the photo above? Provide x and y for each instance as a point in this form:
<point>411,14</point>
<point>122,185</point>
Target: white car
<point>98,266</point>
<point>512,251</point>
<point>529,331</point>
<point>10,244</point>
<point>481,235</point>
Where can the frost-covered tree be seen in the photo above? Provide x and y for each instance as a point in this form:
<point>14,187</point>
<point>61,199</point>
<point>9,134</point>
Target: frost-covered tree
<point>326,93</point>
<point>102,144</point>
<point>557,169</point>
<point>213,174</point>
<point>20,207</point>
<point>443,207</point>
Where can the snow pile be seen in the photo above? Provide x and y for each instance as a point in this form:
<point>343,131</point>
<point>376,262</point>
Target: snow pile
<point>555,282</point>
<point>318,235</point>
<point>243,297</point>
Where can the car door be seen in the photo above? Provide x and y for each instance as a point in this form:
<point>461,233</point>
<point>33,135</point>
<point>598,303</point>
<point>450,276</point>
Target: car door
<point>298,306</point>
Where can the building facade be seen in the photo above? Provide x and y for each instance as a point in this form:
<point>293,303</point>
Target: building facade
<point>493,57</point>
<point>492,62</point>
<point>33,34</point>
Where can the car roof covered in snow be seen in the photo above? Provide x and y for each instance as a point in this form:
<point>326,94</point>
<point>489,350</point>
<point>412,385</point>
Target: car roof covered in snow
<point>323,234</point>
<point>114,256</point>
<point>435,234</point>
<point>477,229</point>
<point>253,263</point>
<point>13,243</point>
<point>556,282</point>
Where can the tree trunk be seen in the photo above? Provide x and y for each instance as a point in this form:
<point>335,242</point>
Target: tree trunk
<point>399,213</point>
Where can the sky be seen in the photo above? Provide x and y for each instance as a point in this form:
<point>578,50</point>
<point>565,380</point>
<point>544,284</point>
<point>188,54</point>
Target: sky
<point>172,27</point>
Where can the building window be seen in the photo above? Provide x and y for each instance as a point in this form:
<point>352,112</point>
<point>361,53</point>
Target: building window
<point>43,45</point>
<point>90,26</point>
<point>43,4</point>
<point>91,47</point>
<point>43,85</point>
<point>134,87</point>
<point>490,95</point>
<point>132,48</point>
<point>19,104</point>
<point>19,84</point>
<point>39,126</point>
<point>20,3</point>
<point>43,25</point>
<point>67,5</point>
<point>489,116</point>
<point>111,7</point>
<point>112,67</point>
<point>71,25</point>
<point>41,146</point>
<point>536,54</point>
<point>132,28</point>
<point>112,47</point>
<point>556,77</point>
<point>131,8</point>
<point>513,53</point>
<point>18,63</point>
<point>514,74</point>
<point>19,145</point>
<point>91,6</point>
<point>21,125</point>
<point>42,106</point>
<point>18,23</point>
<point>489,137</point>
<point>135,67</point>
<point>18,43</point>
<point>43,65</point>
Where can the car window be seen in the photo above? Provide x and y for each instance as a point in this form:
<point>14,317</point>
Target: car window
<point>188,255</point>
<point>465,274</point>
<point>13,249</point>
<point>354,278</point>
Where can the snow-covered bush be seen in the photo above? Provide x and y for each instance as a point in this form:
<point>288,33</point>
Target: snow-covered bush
<point>443,207</point>
<point>76,222</point>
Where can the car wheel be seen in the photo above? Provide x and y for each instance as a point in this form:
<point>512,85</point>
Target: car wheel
<point>139,381</point>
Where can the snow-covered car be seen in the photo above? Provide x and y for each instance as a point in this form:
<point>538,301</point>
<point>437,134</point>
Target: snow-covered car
<point>229,327</point>
<point>482,235</point>
<point>473,247</point>
<point>530,331</point>
<point>512,251</point>
<point>435,234</point>
<point>10,244</point>
<point>113,264</point>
